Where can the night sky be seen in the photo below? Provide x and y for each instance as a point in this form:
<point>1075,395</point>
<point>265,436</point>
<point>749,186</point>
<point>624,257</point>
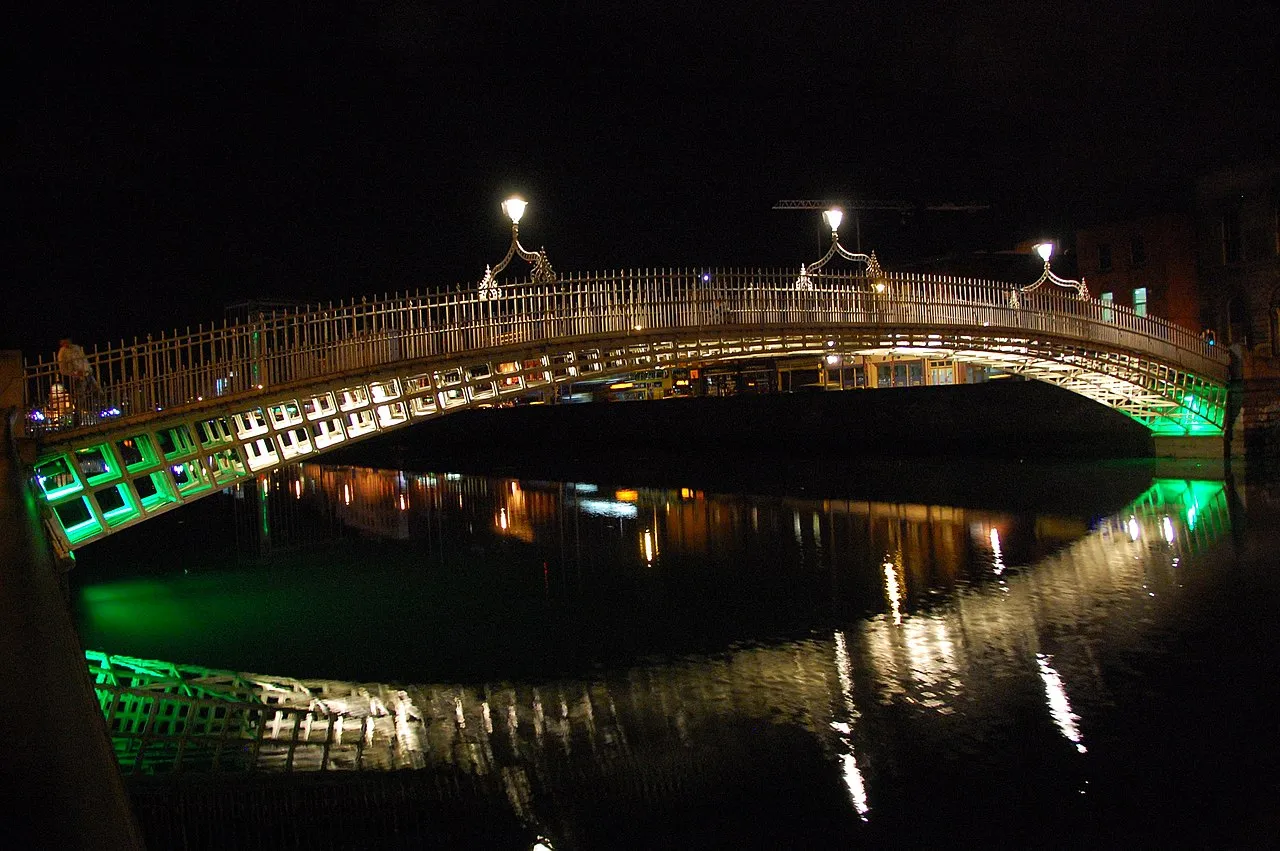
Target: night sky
<point>164,167</point>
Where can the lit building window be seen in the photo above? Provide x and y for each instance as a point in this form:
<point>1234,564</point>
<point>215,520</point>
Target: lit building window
<point>1106,299</point>
<point>1140,301</point>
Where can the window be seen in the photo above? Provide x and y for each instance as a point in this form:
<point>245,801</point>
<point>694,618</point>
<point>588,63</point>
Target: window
<point>1137,251</point>
<point>1237,322</point>
<point>1104,257</point>
<point>1231,247</point>
<point>941,372</point>
<point>1140,301</point>
<point>1106,299</point>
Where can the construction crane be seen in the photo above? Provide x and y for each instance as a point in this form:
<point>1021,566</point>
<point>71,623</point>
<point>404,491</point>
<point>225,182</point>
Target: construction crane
<point>894,206</point>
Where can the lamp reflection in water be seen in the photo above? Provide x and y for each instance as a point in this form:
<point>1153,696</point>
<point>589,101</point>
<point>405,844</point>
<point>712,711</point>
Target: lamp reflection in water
<point>848,762</point>
<point>893,589</point>
<point>997,557</point>
<point>1059,706</point>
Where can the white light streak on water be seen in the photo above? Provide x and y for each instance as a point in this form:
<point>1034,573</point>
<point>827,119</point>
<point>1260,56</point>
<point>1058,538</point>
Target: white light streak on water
<point>1059,706</point>
<point>607,508</point>
<point>997,557</point>
<point>848,763</point>
<point>893,590</point>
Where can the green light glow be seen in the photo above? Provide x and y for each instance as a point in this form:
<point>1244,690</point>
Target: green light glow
<point>127,509</point>
<point>58,477</point>
<point>1196,417</point>
<point>197,480</point>
<point>1202,504</point>
<point>78,532</point>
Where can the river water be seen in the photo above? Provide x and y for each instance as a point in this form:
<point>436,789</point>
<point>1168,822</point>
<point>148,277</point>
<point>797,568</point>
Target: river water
<point>1058,655</point>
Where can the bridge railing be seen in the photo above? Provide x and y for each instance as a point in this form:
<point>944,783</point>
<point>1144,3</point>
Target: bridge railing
<point>165,718</point>
<point>319,342</point>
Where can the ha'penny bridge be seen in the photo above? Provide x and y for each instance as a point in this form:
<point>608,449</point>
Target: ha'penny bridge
<point>178,416</point>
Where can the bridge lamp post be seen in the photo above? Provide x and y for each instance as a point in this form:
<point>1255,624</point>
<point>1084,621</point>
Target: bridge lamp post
<point>833,217</point>
<point>1045,250</point>
<point>542,273</point>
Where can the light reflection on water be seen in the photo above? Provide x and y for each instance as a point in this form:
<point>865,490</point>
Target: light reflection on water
<point>684,640</point>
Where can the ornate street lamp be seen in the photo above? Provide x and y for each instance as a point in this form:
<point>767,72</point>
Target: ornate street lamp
<point>833,217</point>
<point>1045,250</point>
<point>542,272</point>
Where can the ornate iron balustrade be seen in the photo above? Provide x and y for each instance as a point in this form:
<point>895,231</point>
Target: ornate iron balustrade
<point>193,368</point>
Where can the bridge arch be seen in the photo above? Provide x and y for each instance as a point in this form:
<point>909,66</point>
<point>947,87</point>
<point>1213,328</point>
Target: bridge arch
<point>186,415</point>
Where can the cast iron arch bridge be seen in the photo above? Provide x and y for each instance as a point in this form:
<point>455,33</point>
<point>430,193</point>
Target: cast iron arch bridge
<point>183,415</point>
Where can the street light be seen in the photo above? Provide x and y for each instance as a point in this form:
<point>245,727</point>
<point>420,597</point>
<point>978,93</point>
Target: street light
<point>542,273</point>
<point>514,208</point>
<point>833,218</point>
<point>1045,250</point>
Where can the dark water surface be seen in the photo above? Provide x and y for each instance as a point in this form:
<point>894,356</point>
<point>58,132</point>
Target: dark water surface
<point>908,652</point>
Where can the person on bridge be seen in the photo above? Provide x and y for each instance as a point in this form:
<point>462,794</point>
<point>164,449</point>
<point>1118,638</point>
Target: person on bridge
<point>77,375</point>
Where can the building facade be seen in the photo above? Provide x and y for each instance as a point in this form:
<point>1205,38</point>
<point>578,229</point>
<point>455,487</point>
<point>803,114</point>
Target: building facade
<point>1238,241</point>
<point>1146,263</point>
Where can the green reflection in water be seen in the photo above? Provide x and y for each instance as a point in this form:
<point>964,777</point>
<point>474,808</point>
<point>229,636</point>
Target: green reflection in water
<point>383,601</point>
<point>1188,513</point>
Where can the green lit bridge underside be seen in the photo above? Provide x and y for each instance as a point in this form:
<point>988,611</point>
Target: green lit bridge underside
<point>313,386</point>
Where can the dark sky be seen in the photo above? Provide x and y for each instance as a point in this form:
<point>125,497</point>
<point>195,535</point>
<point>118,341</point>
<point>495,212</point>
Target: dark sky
<point>163,167</point>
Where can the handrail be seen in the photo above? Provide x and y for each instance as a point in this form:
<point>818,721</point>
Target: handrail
<point>315,342</point>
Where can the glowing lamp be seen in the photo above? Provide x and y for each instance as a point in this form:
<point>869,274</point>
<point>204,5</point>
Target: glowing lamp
<point>833,216</point>
<point>1045,250</point>
<point>514,208</point>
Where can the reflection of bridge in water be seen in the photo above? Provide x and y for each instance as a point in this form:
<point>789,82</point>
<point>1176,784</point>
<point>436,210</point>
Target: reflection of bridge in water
<point>609,738</point>
<point>310,503</point>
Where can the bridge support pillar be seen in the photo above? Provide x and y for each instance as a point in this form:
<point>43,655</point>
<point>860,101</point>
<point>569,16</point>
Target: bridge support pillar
<point>66,789</point>
<point>1199,447</point>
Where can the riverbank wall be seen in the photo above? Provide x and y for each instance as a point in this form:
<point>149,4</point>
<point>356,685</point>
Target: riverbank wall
<point>63,788</point>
